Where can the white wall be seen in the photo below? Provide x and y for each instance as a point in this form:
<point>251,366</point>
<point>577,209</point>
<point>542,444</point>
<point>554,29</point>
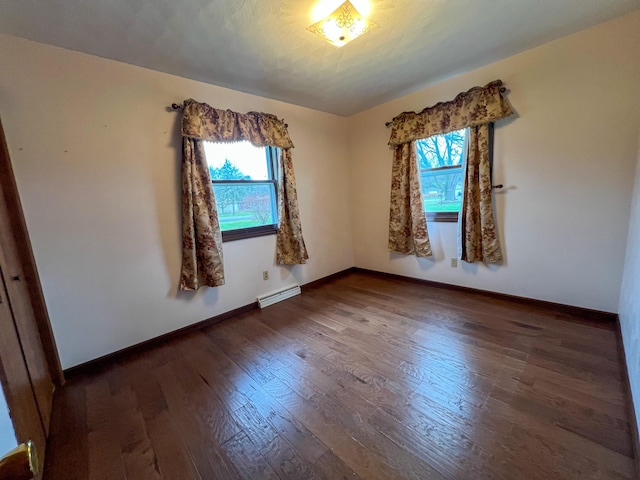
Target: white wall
<point>96,156</point>
<point>629,310</point>
<point>567,159</point>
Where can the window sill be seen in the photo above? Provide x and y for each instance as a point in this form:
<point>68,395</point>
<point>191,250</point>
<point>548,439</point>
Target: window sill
<point>242,233</point>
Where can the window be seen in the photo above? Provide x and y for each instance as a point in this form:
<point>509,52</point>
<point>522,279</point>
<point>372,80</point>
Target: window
<point>244,183</point>
<point>440,160</point>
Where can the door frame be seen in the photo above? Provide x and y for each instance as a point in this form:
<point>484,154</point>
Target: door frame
<point>16,383</point>
<point>9,190</point>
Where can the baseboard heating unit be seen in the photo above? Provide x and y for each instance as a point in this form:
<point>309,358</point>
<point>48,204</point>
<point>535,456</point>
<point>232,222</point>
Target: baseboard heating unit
<point>278,296</point>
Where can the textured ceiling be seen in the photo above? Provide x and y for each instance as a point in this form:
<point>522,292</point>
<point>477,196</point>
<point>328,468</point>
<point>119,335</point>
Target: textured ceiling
<point>262,47</point>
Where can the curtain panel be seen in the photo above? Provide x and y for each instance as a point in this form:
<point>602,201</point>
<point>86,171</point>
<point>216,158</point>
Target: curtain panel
<point>290,247</point>
<point>407,221</point>
<point>474,109</point>
<point>202,239</point>
<point>479,241</point>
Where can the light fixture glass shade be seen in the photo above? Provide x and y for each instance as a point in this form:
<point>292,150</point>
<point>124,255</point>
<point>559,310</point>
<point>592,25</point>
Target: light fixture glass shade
<point>343,25</point>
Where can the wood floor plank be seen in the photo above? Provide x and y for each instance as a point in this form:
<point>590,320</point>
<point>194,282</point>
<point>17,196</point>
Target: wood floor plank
<point>138,456</point>
<point>240,389</point>
<point>284,422</point>
<point>361,377</point>
<point>443,448</point>
<point>575,446</point>
<point>286,461</point>
<point>212,411</point>
<point>387,456</point>
<point>174,460</point>
<point>247,459</point>
<point>68,443</point>
<point>280,455</point>
<point>203,445</point>
<point>320,420</point>
<point>105,461</point>
<point>331,466</point>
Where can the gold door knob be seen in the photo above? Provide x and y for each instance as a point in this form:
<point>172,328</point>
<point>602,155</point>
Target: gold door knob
<point>20,463</point>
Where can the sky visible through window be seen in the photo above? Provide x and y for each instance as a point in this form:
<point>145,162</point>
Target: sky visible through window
<point>250,160</point>
<point>7,437</point>
<point>247,204</point>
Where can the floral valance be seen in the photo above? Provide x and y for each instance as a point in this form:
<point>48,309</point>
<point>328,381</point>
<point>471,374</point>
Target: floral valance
<point>203,122</point>
<point>478,106</point>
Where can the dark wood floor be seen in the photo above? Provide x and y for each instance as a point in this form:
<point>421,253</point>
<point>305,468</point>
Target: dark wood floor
<point>363,377</point>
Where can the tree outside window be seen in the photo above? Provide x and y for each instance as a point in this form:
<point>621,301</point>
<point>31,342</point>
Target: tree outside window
<point>440,160</point>
<point>244,184</point>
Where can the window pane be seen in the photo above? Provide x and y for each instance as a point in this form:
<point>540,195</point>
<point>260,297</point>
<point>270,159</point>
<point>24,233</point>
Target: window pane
<point>441,150</point>
<point>236,161</point>
<point>442,187</point>
<point>442,190</point>
<point>244,206</point>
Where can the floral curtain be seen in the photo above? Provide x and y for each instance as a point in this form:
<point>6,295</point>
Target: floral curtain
<point>474,109</point>
<point>407,221</point>
<point>478,106</point>
<point>201,236</point>
<point>203,122</point>
<point>290,247</point>
<point>478,230</point>
<point>202,252</point>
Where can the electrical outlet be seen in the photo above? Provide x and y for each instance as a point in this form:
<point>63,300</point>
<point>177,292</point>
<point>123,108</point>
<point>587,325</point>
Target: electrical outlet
<point>265,275</point>
<point>454,263</point>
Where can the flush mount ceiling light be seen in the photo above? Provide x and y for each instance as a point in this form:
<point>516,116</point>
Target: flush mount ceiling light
<point>342,26</point>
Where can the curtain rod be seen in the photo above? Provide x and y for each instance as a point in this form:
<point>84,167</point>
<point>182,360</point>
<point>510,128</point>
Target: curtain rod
<point>180,106</point>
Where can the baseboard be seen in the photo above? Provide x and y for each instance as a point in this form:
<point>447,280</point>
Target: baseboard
<point>633,418</point>
<point>327,279</point>
<point>595,316</point>
<point>101,362</point>
<point>98,363</point>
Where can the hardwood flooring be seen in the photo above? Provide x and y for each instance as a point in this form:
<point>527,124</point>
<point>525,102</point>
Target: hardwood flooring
<point>363,377</point>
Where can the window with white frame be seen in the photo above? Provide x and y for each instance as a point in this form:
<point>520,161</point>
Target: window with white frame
<point>244,181</point>
<point>440,161</point>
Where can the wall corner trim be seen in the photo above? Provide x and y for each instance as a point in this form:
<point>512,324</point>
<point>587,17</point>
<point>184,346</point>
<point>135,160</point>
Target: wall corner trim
<point>631,411</point>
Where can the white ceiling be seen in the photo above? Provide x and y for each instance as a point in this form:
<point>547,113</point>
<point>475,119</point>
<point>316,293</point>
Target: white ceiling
<point>262,47</point>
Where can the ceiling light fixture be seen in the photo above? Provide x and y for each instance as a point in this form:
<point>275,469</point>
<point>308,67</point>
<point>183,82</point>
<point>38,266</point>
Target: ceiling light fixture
<point>342,26</point>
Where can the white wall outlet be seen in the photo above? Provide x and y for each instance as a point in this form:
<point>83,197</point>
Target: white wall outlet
<point>454,263</point>
<point>265,275</point>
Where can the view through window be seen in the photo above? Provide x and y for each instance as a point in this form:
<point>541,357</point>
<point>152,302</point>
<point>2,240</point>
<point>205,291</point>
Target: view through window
<point>440,160</point>
<point>244,183</point>
<point>7,436</point>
